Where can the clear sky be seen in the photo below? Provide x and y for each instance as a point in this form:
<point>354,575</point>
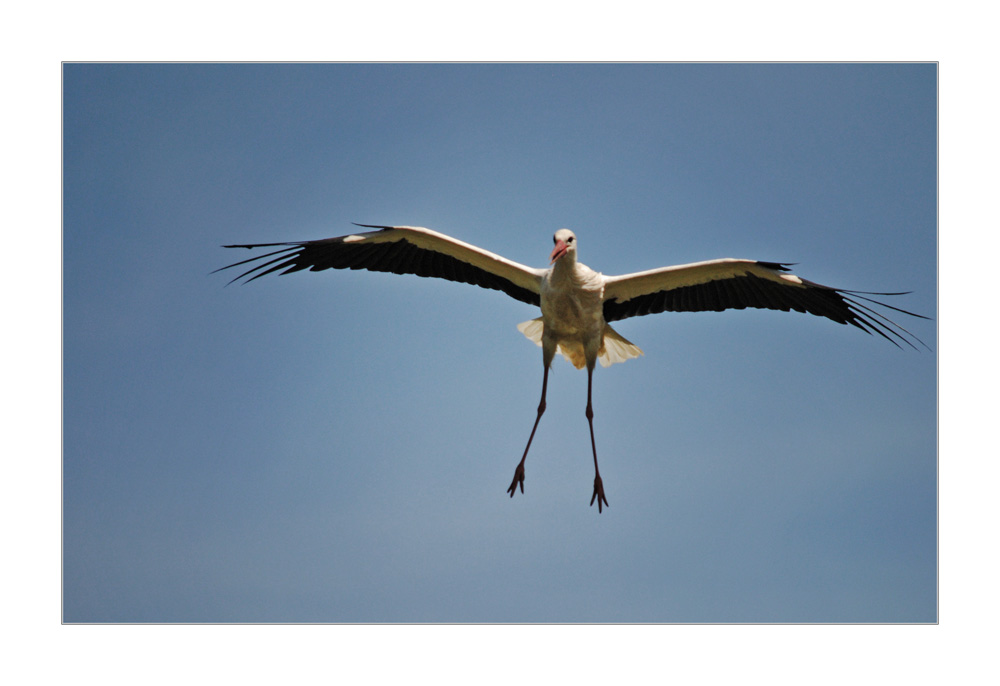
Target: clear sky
<point>336,447</point>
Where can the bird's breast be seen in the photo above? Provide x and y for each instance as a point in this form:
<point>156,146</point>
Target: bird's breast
<point>572,303</point>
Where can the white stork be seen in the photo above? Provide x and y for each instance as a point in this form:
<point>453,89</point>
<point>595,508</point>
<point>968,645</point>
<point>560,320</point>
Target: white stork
<point>576,302</point>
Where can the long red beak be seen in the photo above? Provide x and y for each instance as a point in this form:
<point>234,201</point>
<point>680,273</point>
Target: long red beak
<point>558,251</point>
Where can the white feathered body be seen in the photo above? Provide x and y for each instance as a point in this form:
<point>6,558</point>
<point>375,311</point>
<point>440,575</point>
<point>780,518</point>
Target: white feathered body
<point>572,321</point>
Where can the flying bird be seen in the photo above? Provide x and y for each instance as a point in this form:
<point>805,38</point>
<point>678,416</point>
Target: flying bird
<point>578,303</point>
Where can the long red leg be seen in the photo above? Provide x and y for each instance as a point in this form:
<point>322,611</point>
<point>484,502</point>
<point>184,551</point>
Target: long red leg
<point>598,484</point>
<point>519,472</point>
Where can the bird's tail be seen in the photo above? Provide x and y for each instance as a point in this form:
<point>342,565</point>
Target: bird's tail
<point>614,347</point>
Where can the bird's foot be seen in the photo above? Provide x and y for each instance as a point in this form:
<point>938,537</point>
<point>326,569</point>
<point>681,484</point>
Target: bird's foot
<point>518,480</point>
<point>598,494</point>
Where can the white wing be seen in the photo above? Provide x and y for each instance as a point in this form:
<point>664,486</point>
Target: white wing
<point>730,283</point>
<point>400,250</point>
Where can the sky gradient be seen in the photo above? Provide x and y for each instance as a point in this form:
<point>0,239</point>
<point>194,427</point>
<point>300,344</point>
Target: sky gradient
<point>335,447</point>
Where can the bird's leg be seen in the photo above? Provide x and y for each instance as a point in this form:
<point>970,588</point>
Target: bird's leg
<point>598,484</point>
<point>519,472</point>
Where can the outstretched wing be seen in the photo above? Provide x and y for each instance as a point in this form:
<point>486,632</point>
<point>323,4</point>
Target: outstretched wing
<point>730,283</point>
<point>400,250</point>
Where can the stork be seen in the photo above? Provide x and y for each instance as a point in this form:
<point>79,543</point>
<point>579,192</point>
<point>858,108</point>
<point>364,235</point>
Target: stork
<point>578,303</point>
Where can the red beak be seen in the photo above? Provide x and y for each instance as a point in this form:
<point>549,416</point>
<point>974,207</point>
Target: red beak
<point>558,251</point>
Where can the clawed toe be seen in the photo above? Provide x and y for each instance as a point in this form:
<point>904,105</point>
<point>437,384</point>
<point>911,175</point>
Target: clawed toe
<point>598,494</point>
<point>518,480</point>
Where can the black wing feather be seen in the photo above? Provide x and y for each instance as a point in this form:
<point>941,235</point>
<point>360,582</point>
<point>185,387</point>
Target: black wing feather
<point>748,290</point>
<point>397,257</point>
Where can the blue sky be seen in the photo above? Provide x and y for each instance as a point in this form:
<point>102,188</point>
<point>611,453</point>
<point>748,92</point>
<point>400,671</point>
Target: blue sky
<point>336,447</point>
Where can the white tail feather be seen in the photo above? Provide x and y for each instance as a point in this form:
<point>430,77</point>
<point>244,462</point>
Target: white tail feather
<point>533,330</point>
<point>614,347</point>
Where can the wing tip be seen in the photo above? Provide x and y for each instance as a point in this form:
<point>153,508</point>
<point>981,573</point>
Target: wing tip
<point>777,266</point>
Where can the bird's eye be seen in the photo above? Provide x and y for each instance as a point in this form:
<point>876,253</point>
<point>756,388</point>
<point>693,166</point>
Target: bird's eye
<point>569,240</point>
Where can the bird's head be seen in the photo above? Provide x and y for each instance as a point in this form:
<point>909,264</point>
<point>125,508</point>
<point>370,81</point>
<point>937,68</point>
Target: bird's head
<point>565,241</point>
